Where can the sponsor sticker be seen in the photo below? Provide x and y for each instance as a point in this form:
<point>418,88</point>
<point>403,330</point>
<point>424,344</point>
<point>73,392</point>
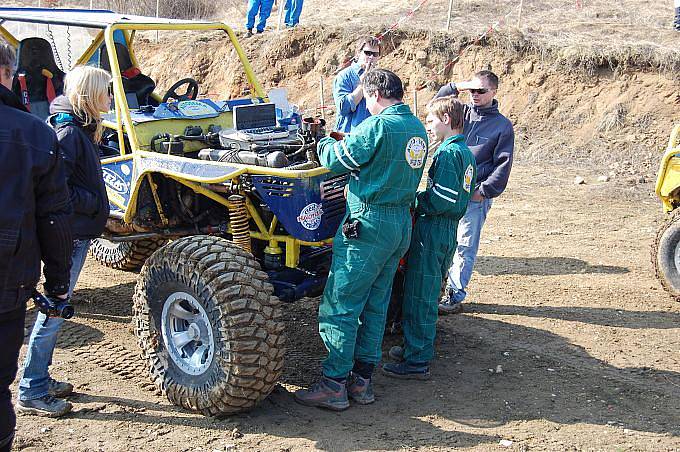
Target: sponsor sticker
<point>310,216</point>
<point>114,181</point>
<point>467,180</point>
<point>416,152</point>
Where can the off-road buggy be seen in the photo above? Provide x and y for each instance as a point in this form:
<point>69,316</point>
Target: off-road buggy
<point>222,229</point>
<point>666,247</point>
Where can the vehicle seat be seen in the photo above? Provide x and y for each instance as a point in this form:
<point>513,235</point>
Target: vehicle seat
<point>133,80</point>
<point>38,79</point>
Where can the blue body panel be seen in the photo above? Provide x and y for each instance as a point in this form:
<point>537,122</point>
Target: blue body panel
<point>118,179</point>
<point>310,209</point>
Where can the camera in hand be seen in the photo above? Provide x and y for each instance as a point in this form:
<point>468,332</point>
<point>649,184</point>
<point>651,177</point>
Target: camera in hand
<point>53,307</point>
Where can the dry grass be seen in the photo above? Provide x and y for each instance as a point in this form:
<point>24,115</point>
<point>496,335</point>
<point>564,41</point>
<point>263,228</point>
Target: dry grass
<point>613,119</point>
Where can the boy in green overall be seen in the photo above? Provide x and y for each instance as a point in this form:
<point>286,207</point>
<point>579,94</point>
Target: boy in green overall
<point>450,183</point>
<point>385,156</point>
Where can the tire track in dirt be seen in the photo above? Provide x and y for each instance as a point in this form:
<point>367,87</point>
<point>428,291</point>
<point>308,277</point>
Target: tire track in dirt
<point>100,348</point>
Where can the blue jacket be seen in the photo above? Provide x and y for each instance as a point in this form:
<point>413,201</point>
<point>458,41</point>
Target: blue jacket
<point>491,138</point>
<point>349,115</point>
<point>34,207</point>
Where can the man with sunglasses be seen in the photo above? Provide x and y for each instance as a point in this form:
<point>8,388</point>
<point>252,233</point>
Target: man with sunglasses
<point>348,92</point>
<point>491,138</point>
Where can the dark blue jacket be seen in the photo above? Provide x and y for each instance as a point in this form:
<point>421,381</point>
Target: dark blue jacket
<point>491,138</point>
<point>83,171</point>
<point>34,207</point>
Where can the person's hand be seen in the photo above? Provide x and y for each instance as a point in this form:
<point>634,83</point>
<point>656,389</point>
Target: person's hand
<point>337,136</point>
<point>469,84</point>
<point>367,67</point>
<point>477,196</point>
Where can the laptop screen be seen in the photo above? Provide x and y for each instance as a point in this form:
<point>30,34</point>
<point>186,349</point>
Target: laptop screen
<point>254,115</point>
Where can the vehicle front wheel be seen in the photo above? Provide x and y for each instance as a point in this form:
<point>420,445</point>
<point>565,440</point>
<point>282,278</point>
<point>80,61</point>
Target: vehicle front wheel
<point>666,255</point>
<point>209,325</point>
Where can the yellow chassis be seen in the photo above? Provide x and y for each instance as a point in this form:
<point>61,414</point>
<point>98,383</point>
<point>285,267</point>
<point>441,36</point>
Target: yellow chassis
<point>668,181</point>
<point>125,127</point>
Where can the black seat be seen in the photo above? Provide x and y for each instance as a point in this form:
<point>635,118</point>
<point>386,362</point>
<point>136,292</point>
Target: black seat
<point>133,80</point>
<point>34,56</point>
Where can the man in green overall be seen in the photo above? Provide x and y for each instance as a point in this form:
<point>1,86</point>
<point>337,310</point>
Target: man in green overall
<point>385,156</point>
<point>450,183</point>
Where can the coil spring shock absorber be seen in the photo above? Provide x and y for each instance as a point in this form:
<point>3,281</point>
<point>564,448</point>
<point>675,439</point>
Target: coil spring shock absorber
<point>238,218</point>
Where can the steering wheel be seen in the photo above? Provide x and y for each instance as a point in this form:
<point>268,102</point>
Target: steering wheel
<point>190,93</point>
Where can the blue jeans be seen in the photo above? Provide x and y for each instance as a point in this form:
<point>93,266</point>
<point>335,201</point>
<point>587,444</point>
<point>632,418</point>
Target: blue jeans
<point>469,232</point>
<point>293,11</point>
<point>35,382</point>
<point>264,7</point>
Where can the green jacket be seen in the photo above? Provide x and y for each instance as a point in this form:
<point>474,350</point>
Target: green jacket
<point>385,155</point>
<point>450,182</point>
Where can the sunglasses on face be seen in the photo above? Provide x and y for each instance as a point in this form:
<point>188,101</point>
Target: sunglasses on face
<point>371,54</point>
<point>479,91</point>
<point>110,90</point>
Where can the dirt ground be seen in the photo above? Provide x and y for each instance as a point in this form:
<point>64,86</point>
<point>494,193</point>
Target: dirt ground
<point>568,344</point>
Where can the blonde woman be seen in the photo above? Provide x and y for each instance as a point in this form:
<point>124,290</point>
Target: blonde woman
<point>76,117</point>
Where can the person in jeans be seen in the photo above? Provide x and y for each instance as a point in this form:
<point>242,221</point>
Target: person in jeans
<point>76,117</point>
<point>34,227</point>
<point>293,11</point>
<point>438,209</point>
<point>348,93</point>
<point>255,7</point>
<point>491,138</point>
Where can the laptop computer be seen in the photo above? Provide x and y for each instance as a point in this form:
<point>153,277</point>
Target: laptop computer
<point>257,122</point>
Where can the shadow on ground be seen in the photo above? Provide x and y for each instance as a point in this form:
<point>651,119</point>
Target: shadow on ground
<point>540,266</point>
<point>595,316</point>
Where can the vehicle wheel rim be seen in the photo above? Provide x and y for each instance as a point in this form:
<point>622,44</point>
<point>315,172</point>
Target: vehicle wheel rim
<point>677,257</point>
<point>187,333</point>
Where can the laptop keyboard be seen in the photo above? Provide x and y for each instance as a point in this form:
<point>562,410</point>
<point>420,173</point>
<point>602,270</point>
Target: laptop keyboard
<point>263,133</point>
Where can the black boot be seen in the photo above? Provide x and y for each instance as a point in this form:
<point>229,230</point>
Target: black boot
<point>677,19</point>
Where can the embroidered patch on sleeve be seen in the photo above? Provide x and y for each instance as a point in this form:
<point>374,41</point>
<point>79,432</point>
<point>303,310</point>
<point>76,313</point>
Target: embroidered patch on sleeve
<point>467,180</point>
<point>416,152</point>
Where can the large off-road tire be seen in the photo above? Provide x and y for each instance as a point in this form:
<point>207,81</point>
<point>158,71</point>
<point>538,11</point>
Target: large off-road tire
<point>128,256</point>
<point>209,325</point>
<point>666,255</point>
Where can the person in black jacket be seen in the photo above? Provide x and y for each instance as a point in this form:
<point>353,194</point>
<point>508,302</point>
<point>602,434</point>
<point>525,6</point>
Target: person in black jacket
<point>34,226</point>
<point>76,116</point>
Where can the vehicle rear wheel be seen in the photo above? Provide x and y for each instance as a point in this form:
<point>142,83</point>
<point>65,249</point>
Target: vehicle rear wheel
<point>128,256</point>
<point>209,325</point>
<point>666,255</point>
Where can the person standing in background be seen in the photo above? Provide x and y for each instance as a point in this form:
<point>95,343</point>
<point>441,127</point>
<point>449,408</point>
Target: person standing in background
<point>348,93</point>
<point>293,11</point>
<point>677,15</point>
<point>255,7</point>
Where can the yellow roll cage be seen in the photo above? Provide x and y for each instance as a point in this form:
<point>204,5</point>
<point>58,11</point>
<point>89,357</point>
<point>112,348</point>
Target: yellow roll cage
<point>109,22</point>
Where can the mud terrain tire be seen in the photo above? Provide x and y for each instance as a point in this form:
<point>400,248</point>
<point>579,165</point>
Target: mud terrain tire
<point>210,294</point>
<point>666,255</point>
<point>127,256</point>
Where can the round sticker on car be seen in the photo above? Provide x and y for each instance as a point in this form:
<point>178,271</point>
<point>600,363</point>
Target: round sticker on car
<point>416,152</point>
<point>310,216</point>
